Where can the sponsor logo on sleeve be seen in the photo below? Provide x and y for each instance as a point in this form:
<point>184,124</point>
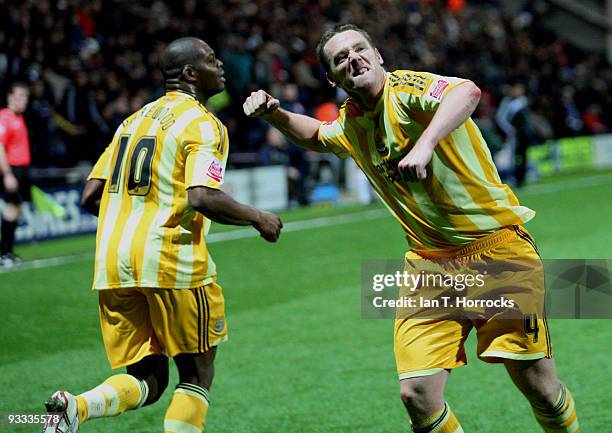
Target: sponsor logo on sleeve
<point>438,89</point>
<point>215,171</point>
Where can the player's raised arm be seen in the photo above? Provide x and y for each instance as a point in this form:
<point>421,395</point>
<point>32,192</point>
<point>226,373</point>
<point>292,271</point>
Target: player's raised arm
<point>455,108</point>
<point>301,130</point>
<point>221,208</point>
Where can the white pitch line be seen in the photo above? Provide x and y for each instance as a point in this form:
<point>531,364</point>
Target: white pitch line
<point>596,180</point>
<point>295,226</point>
<point>46,263</point>
<point>221,237</point>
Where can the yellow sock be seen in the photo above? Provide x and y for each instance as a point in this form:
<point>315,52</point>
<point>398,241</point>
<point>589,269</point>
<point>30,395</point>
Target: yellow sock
<point>443,421</point>
<point>562,418</point>
<point>187,410</point>
<point>113,397</point>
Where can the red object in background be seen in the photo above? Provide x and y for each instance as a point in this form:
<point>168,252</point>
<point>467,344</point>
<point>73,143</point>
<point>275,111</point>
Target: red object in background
<point>326,112</point>
<point>14,135</point>
<point>86,23</point>
<point>593,122</point>
<point>455,6</point>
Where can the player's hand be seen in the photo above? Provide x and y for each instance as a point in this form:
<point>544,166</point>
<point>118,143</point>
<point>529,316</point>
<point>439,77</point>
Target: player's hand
<point>414,165</point>
<point>260,104</point>
<point>268,225</point>
<point>10,182</point>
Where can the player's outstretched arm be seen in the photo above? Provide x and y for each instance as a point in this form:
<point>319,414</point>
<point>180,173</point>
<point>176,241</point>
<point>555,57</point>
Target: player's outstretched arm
<point>221,208</point>
<point>92,193</point>
<point>301,130</point>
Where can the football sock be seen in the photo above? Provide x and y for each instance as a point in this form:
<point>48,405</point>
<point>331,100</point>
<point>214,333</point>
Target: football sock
<point>7,236</point>
<point>562,417</point>
<point>443,421</point>
<point>187,410</point>
<point>113,397</point>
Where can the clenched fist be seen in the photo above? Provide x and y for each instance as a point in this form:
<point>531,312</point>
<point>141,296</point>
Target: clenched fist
<point>414,165</point>
<point>269,226</point>
<point>259,104</point>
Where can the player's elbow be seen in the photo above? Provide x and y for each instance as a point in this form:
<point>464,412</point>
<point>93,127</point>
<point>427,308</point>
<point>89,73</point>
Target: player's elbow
<point>92,193</point>
<point>195,196</point>
<point>86,199</point>
<point>90,204</point>
<point>202,199</point>
<point>474,93</point>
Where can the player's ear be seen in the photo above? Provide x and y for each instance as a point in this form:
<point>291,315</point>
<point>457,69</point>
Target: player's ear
<point>189,73</point>
<point>379,58</point>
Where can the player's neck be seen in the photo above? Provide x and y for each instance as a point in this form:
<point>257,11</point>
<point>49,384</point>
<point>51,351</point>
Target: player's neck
<point>187,89</point>
<point>367,100</point>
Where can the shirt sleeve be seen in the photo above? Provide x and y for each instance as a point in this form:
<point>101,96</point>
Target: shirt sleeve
<point>332,136</point>
<point>101,169</point>
<point>204,141</point>
<point>422,91</point>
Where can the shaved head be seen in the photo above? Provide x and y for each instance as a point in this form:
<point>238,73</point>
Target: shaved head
<point>177,54</point>
<point>189,65</point>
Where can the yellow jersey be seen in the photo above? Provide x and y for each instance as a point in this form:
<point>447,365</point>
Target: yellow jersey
<point>462,198</point>
<point>148,234</point>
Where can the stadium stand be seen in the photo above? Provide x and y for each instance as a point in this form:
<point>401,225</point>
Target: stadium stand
<point>92,63</point>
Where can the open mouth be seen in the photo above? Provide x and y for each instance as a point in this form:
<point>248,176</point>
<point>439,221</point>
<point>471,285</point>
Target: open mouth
<point>360,71</point>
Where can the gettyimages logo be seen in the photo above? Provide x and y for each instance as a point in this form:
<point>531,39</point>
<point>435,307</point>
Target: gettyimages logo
<point>473,289</point>
<point>579,288</point>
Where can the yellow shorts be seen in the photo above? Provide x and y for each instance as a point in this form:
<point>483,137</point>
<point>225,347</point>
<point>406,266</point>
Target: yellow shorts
<point>426,346</point>
<point>138,322</point>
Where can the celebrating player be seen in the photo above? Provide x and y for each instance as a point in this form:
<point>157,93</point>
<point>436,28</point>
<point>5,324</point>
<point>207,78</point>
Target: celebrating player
<point>411,134</point>
<point>156,189</point>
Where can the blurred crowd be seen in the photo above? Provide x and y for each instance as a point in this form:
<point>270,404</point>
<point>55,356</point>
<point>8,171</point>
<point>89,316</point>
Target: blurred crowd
<point>92,63</point>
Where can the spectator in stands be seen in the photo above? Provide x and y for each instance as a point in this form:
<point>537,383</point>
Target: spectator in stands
<point>514,118</point>
<point>115,44</point>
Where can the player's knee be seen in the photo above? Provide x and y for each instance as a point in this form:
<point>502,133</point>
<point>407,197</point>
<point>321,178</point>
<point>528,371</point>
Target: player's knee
<point>154,371</point>
<point>413,393</point>
<point>543,395</point>
<point>204,377</point>
<point>196,369</point>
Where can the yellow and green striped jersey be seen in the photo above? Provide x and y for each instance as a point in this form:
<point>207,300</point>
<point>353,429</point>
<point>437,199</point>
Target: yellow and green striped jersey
<point>462,198</point>
<point>148,234</point>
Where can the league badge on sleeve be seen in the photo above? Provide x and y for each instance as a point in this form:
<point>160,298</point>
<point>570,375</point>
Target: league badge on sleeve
<point>439,88</point>
<point>215,171</point>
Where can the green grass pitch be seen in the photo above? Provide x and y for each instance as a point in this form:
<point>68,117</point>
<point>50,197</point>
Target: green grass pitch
<point>300,358</point>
